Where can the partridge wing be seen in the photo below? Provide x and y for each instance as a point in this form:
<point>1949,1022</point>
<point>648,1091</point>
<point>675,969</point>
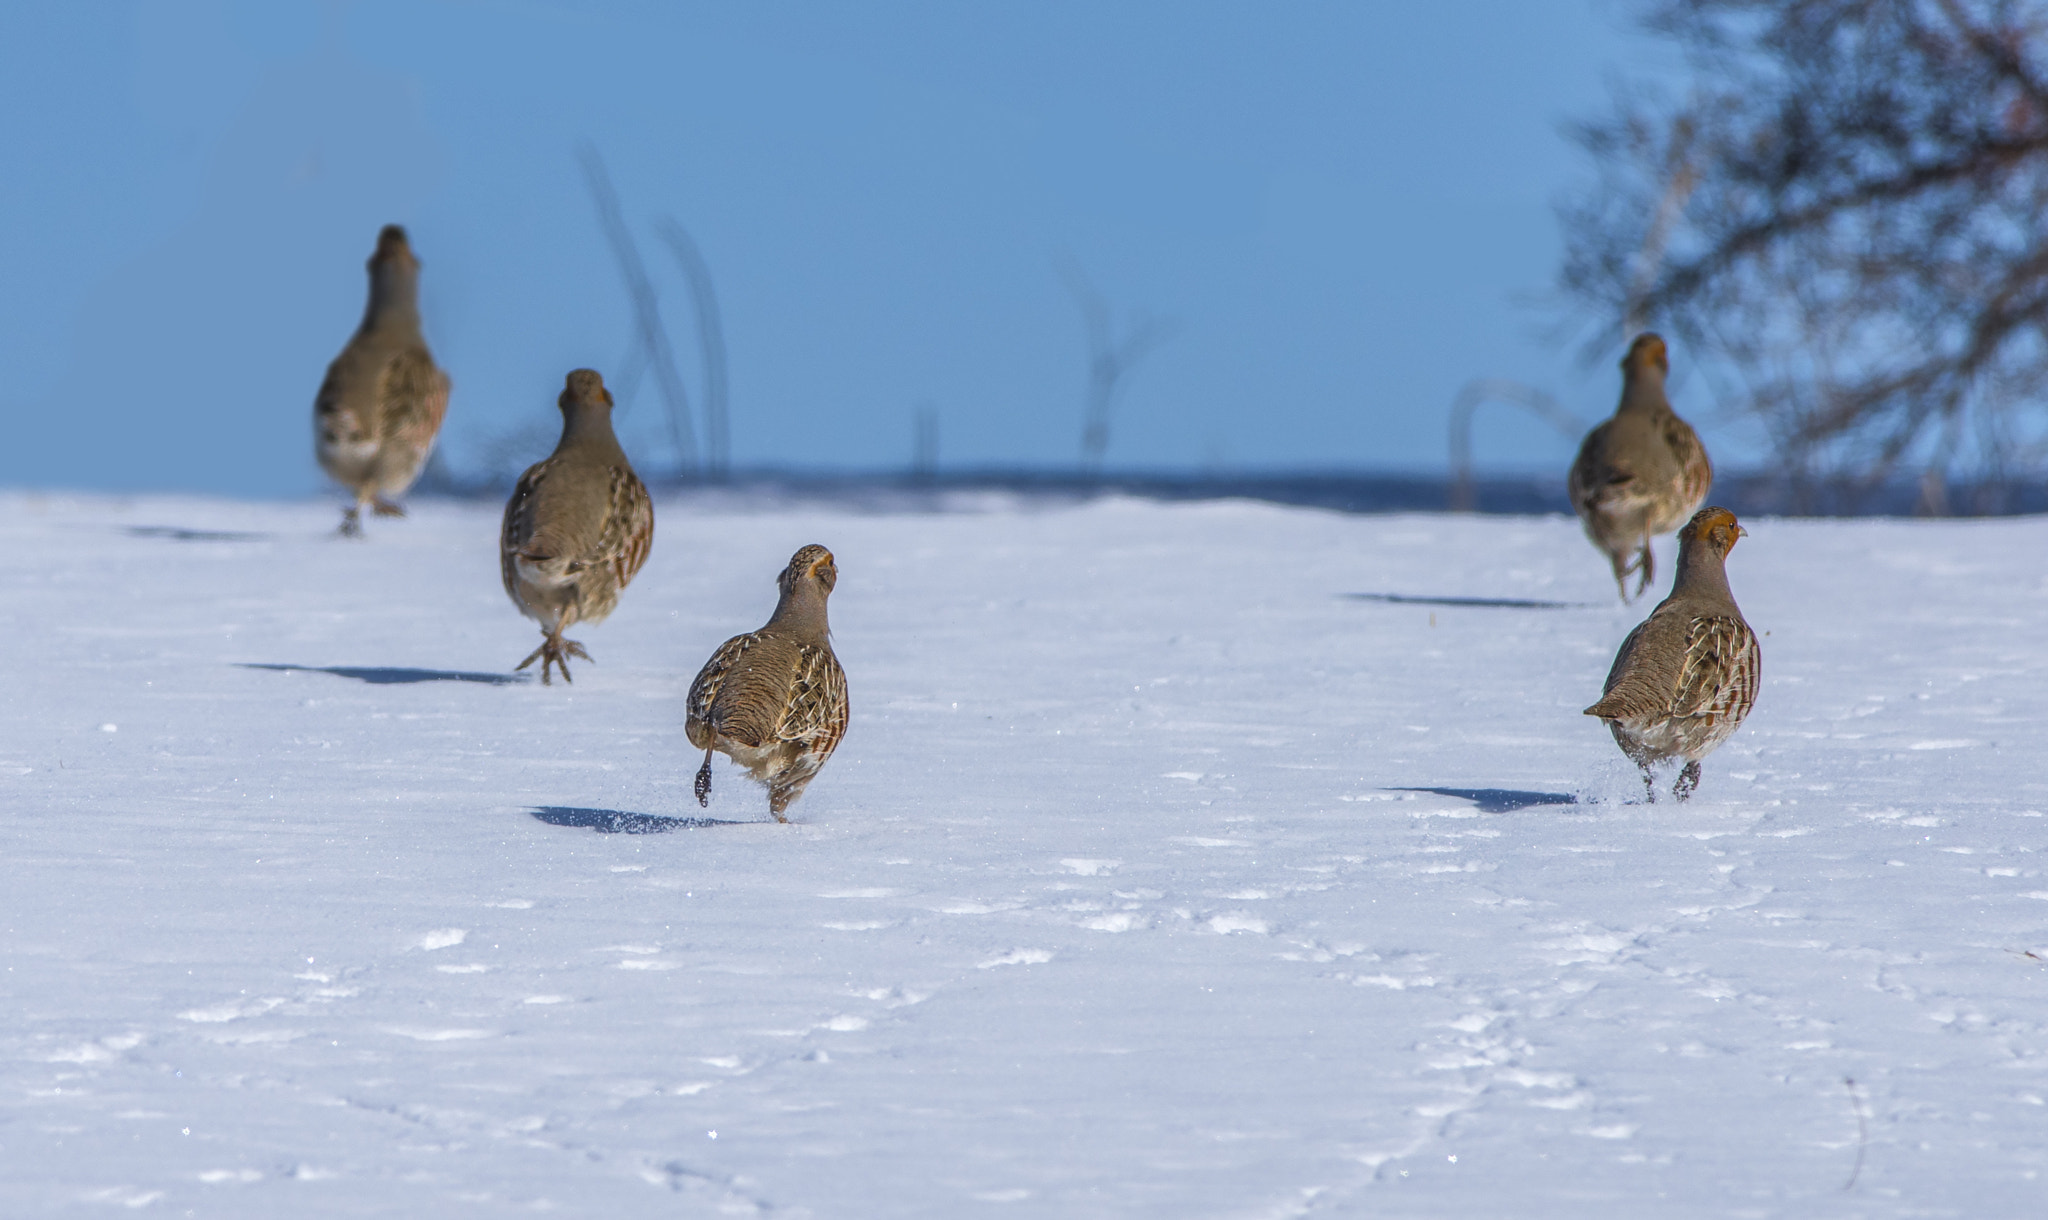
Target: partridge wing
<point>1645,673</point>
<point>1692,459</point>
<point>517,530</point>
<point>1590,472</point>
<point>628,532</point>
<point>711,679</point>
<point>336,424</point>
<point>816,712</point>
<point>412,399</point>
<point>1723,666</point>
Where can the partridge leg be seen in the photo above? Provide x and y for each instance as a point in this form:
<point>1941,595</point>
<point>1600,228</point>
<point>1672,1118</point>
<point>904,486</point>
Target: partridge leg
<point>1688,779</point>
<point>1621,570</point>
<point>703,784</point>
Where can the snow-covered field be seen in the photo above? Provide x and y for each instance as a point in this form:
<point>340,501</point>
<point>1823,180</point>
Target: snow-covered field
<point>1158,876</point>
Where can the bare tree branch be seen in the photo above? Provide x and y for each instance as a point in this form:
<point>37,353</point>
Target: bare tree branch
<point>632,368</point>
<point>1110,358</point>
<point>646,306</point>
<point>924,443</point>
<point>710,341</point>
<point>1474,394</point>
<point>1858,237</point>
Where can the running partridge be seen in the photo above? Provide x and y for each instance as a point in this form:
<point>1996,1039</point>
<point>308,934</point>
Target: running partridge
<point>1641,472</point>
<point>1687,675</point>
<point>774,700</point>
<point>379,409</point>
<point>577,527</point>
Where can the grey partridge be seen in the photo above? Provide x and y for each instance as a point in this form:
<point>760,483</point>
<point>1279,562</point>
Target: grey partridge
<point>381,405</point>
<point>774,700</point>
<point>1642,471</point>
<point>1688,674</point>
<point>578,526</point>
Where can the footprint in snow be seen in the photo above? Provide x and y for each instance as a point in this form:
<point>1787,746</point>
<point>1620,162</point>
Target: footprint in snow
<point>1591,948</point>
<point>126,1196</point>
<point>970,907</point>
<point>418,1034</point>
<point>1485,1054</point>
<point>896,997</point>
<point>251,1037</point>
<point>102,1051</point>
<point>232,1010</point>
<point>1017,957</point>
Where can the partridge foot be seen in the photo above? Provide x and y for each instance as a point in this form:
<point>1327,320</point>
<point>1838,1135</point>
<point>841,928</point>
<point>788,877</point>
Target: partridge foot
<point>555,651</point>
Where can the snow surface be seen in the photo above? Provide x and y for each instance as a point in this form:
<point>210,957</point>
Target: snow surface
<point>1159,876</point>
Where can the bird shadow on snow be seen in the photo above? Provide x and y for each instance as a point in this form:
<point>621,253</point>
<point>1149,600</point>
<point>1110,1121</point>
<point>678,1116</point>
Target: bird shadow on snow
<point>397,675</point>
<point>180,534</point>
<point>1500,800</point>
<point>1500,603</point>
<point>613,822</point>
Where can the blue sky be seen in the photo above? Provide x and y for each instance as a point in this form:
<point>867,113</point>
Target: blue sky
<point>1345,209</point>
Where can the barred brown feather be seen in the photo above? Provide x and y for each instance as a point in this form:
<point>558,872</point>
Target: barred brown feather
<point>414,400</point>
<point>629,527</point>
<point>704,691</point>
<point>1723,666</point>
<point>1685,706</point>
<point>517,528</point>
<point>816,711</point>
<point>1697,479</point>
<point>595,562</point>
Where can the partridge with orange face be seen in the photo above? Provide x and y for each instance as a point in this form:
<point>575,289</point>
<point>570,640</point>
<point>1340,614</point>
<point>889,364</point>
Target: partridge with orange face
<point>1688,674</point>
<point>1641,472</point>
<point>381,405</point>
<point>577,528</point>
<point>774,700</point>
